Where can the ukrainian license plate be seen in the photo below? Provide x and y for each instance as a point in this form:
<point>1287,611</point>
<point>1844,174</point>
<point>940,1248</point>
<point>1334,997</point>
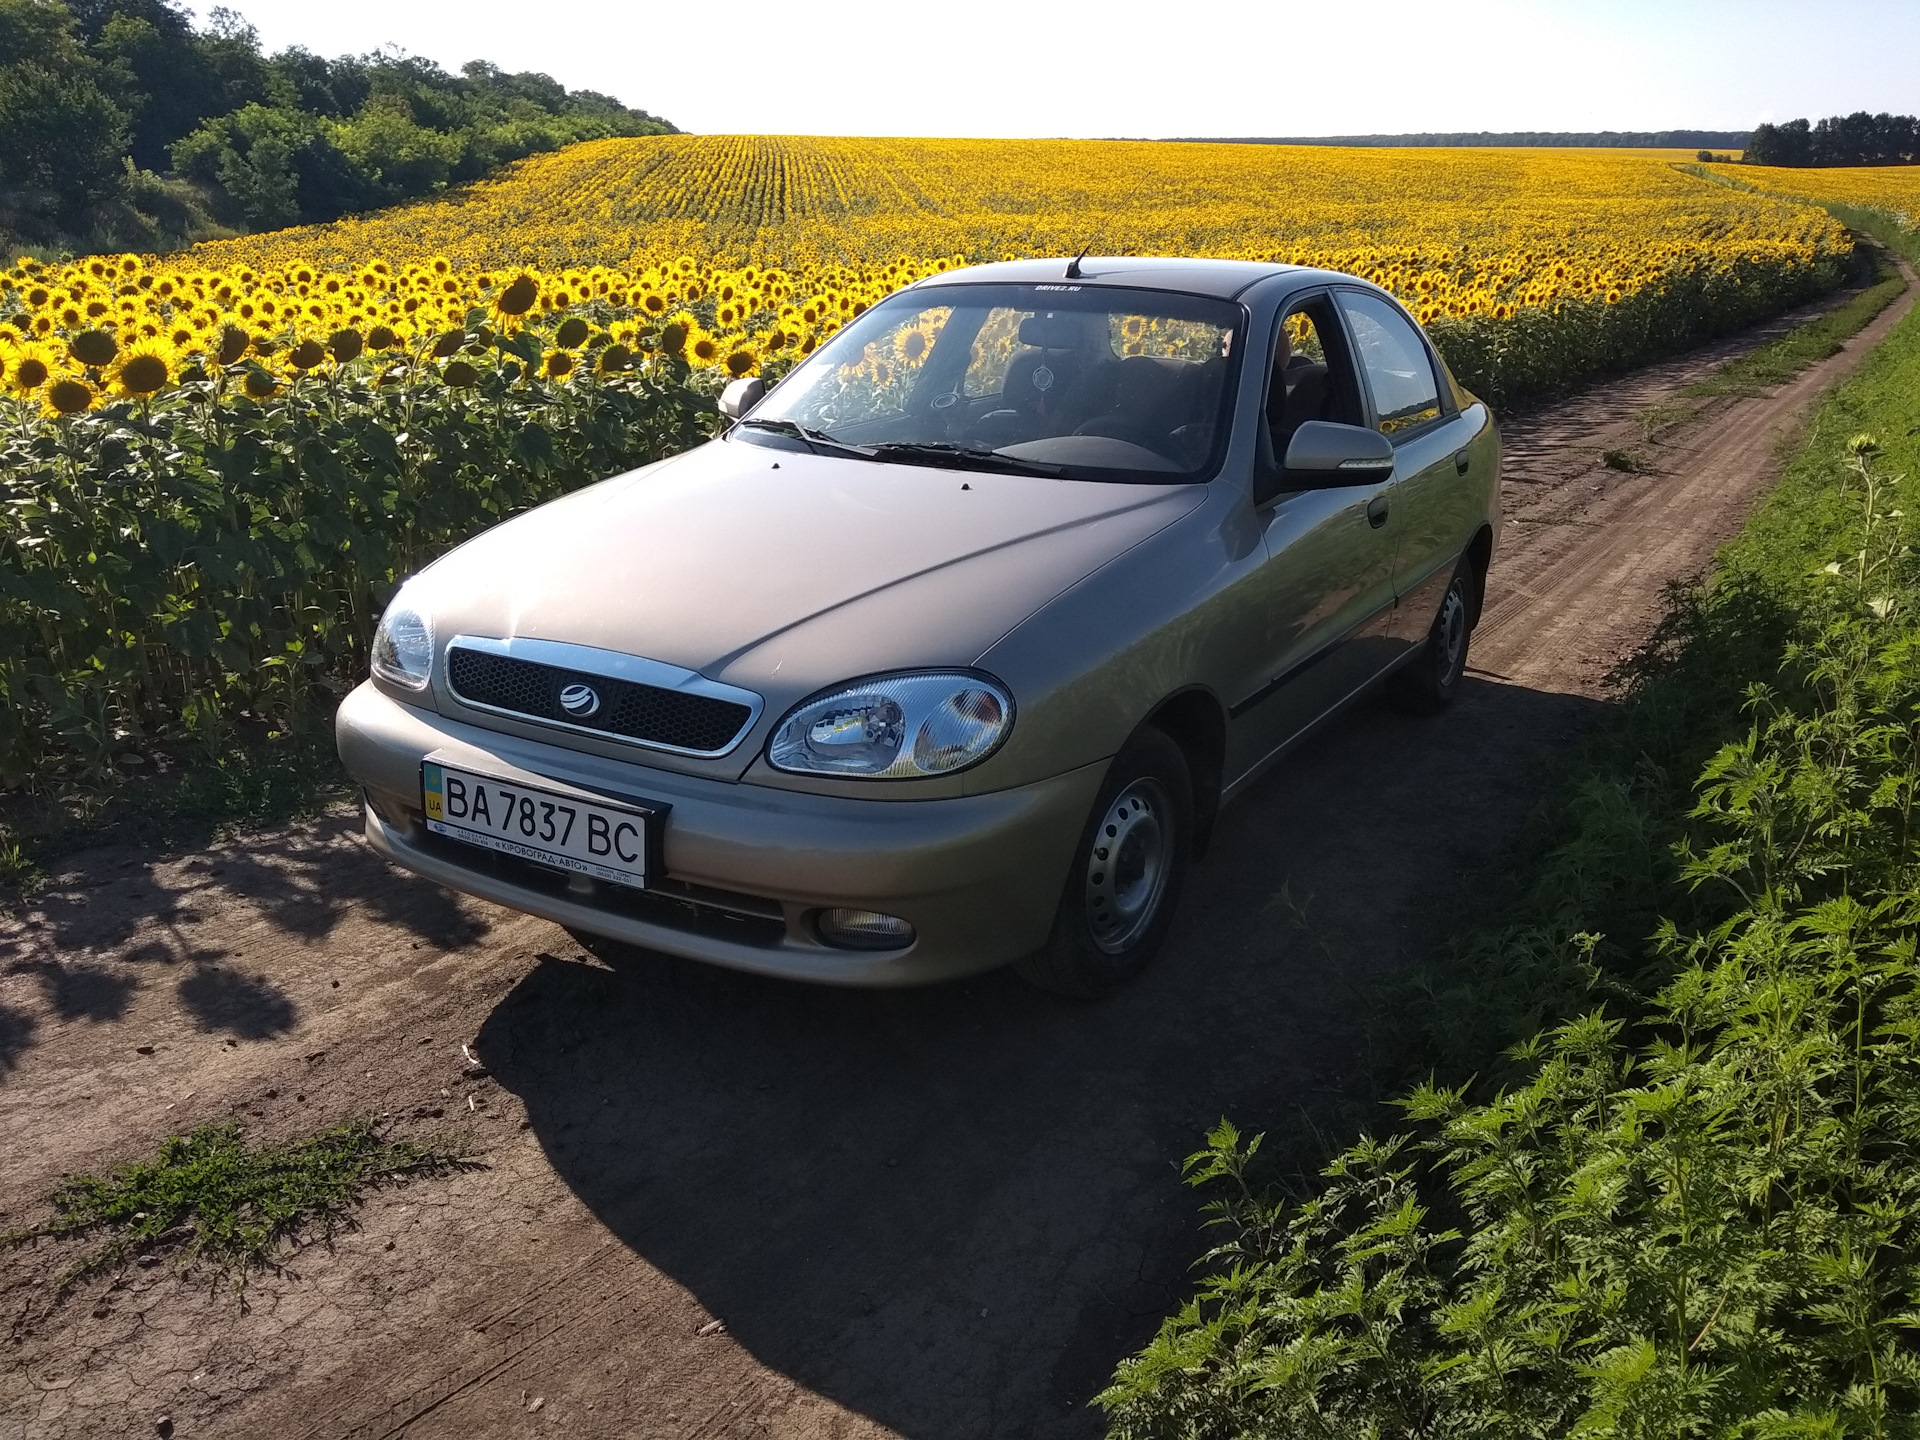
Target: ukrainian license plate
<point>607,841</point>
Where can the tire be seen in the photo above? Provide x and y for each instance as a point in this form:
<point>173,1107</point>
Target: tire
<point>1427,684</point>
<point>1126,875</point>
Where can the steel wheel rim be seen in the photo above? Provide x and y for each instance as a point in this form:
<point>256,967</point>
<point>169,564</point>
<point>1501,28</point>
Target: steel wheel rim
<point>1128,866</point>
<point>1453,630</point>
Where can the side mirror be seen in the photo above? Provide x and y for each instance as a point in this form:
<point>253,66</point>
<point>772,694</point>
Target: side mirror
<point>741,396</point>
<point>1324,453</point>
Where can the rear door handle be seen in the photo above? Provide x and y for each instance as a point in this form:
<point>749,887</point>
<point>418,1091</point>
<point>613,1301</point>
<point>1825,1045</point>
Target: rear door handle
<point>1377,511</point>
<point>1462,463</point>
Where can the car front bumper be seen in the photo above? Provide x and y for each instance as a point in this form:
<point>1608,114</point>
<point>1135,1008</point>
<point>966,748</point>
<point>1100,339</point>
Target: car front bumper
<point>745,867</point>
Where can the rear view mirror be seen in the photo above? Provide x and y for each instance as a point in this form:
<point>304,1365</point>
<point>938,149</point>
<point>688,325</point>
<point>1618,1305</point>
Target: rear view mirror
<point>1323,453</point>
<point>741,396</point>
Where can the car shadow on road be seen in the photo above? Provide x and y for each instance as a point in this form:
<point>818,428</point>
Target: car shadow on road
<point>953,1210</point>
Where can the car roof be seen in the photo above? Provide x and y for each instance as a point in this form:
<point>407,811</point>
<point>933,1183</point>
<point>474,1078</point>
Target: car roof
<point>1221,279</point>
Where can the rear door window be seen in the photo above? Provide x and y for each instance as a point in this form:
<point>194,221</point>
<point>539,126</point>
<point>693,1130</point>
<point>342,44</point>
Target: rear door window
<point>1398,370</point>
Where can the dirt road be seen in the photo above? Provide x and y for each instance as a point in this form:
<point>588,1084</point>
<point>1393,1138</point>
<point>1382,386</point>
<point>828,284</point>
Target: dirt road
<point>941,1215</point>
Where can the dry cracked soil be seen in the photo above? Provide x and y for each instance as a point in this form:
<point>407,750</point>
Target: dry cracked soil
<point>715,1205</point>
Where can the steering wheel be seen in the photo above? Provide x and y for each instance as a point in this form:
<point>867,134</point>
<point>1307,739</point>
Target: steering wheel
<point>1122,427</point>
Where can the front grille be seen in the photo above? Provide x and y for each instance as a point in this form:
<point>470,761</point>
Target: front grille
<point>646,713</point>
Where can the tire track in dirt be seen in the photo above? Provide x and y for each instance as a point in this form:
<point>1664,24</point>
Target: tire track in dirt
<point>718,1206</point>
<point>1585,554</point>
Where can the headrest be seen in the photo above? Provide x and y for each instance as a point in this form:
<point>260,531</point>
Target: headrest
<point>1052,332</point>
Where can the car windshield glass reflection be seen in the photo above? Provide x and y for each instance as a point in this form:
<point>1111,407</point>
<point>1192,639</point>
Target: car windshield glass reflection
<point>1094,383</point>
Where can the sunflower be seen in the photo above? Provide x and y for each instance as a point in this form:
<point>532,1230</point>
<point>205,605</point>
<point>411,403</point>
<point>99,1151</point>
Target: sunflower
<point>518,296</point>
<point>740,359</point>
<point>144,368</point>
<point>32,367</point>
<point>911,344</point>
<point>705,349</point>
<point>572,333</point>
<point>68,396</point>
<point>557,364</point>
<point>93,348</point>
<point>230,344</point>
<point>675,334</point>
<point>259,383</point>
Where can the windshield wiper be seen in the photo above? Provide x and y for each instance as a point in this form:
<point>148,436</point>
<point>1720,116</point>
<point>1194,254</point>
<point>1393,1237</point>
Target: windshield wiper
<point>958,457</point>
<point>816,440</point>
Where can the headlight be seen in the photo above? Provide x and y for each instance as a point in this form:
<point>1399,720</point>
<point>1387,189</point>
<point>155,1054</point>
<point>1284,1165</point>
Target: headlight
<point>895,727</point>
<point>403,643</point>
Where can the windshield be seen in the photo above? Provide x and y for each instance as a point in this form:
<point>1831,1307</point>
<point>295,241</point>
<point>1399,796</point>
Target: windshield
<point>1088,383</point>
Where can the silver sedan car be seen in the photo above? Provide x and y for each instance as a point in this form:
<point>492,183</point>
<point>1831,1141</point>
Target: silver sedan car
<point>947,654</point>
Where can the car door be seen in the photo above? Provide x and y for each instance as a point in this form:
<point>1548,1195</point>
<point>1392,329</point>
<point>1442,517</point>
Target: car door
<point>1323,597</point>
<point>1432,507</point>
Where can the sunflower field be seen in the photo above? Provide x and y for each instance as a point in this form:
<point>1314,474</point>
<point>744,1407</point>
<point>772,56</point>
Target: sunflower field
<point>218,464</point>
<point>1894,189</point>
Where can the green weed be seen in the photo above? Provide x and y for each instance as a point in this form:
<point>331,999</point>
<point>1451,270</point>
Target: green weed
<point>214,1203</point>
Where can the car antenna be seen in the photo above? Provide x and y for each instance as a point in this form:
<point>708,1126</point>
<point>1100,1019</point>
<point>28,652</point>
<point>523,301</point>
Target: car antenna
<point>1073,265</point>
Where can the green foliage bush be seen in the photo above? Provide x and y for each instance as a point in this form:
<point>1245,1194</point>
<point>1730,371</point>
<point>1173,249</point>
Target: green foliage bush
<point>168,568</point>
<point>1693,1206</point>
<point>1542,351</point>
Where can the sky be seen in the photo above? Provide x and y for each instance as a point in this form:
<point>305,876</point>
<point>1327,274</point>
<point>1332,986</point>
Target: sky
<point>1029,68</point>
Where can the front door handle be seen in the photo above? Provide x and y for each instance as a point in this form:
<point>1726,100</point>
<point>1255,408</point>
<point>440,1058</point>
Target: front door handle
<point>1462,462</point>
<point>1377,511</point>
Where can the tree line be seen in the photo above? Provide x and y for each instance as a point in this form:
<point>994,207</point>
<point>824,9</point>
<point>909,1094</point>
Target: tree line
<point>1856,139</point>
<point>1538,139</point>
<point>121,121</point>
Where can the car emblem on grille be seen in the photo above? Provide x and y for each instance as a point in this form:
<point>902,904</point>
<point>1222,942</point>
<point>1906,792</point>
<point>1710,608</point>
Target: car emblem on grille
<point>579,701</point>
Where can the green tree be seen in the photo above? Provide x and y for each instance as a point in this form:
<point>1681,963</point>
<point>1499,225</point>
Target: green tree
<point>61,138</point>
<point>250,154</point>
<point>399,156</point>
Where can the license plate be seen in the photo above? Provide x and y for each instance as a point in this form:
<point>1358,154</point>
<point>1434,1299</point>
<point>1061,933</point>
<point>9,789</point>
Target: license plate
<point>589,837</point>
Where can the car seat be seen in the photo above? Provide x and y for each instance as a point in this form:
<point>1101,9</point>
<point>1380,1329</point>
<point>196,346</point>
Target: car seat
<point>1303,394</point>
<point>1056,377</point>
<point>1151,398</point>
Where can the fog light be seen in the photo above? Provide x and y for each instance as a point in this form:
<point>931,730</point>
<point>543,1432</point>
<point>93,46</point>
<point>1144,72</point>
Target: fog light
<point>864,930</point>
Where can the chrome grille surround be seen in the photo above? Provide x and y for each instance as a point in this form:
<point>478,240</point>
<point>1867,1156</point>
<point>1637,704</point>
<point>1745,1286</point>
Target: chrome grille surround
<point>654,704</point>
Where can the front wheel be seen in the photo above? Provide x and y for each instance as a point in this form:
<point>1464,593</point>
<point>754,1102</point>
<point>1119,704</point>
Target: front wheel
<point>1126,875</point>
<point>1427,684</point>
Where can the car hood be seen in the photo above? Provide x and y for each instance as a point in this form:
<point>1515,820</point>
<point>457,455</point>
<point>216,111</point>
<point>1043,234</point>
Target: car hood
<point>783,571</point>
